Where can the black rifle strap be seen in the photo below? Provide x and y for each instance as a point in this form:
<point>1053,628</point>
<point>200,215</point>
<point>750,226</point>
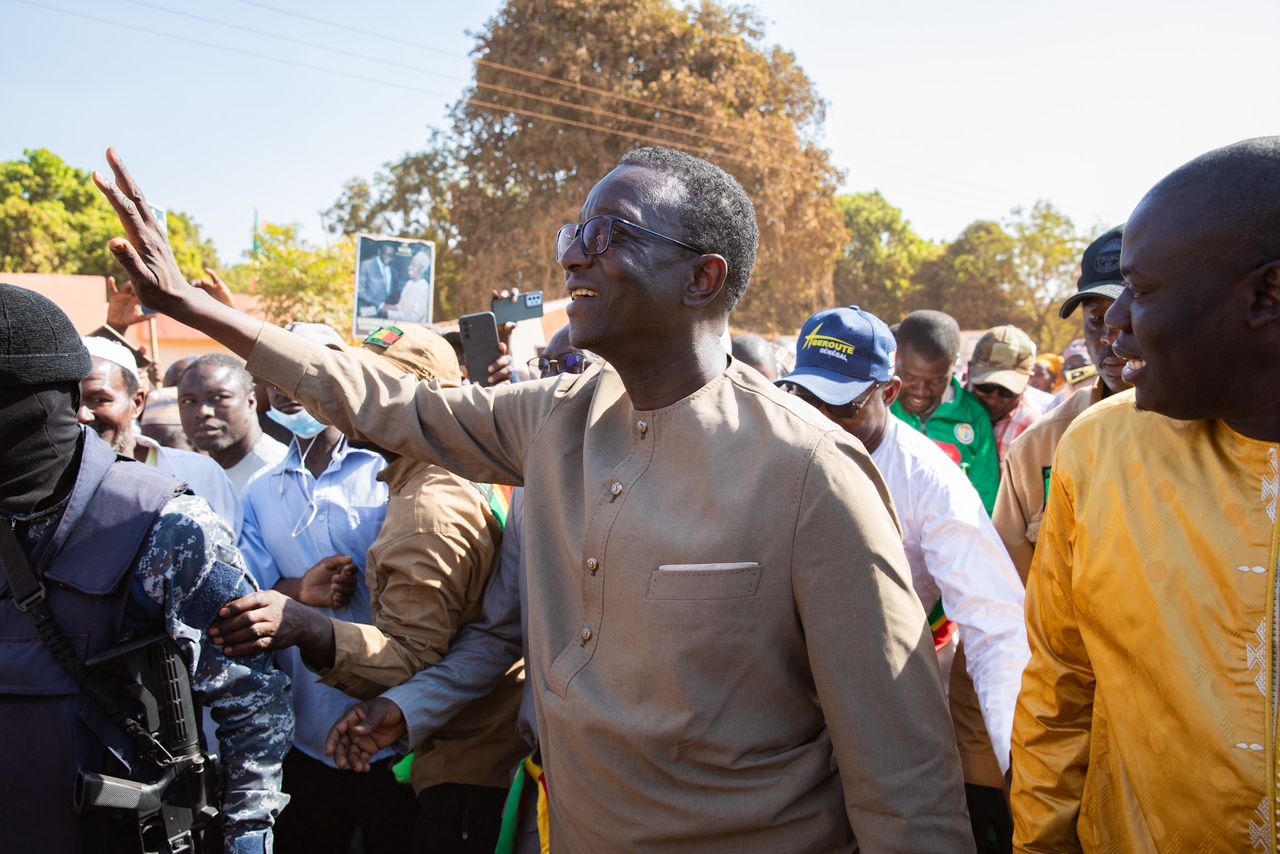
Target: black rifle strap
<point>28,596</point>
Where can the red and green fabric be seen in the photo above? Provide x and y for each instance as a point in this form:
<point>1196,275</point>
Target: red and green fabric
<point>499,498</point>
<point>962,428</point>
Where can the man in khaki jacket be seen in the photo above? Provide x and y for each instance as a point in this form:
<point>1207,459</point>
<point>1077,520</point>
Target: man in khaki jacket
<point>1027,467</point>
<point>705,678</point>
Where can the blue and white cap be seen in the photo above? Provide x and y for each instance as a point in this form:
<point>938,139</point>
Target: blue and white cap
<point>842,352</point>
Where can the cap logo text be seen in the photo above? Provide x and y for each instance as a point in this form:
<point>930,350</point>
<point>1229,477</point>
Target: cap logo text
<point>840,349</point>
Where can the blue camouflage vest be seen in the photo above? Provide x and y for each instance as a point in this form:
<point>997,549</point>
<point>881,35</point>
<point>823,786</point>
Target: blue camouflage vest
<point>48,729</point>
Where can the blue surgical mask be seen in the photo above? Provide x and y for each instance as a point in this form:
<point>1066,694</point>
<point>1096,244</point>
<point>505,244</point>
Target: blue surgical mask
<point>300,423</point>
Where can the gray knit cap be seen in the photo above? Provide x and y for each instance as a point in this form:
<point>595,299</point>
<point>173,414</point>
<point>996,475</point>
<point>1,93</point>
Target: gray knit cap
<point>38,344</point>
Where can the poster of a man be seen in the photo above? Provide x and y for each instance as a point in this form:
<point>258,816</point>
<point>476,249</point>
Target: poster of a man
<point>394,281</point>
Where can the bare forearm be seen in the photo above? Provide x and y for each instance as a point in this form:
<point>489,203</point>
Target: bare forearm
<point>233,329</point>
<point>313,631</point>
<point>316,641</point>
<point>291,587</point>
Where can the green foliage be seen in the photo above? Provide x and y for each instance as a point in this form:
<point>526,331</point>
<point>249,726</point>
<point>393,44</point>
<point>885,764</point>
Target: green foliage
<point>1047,259</point>
<point>192,252</point>
<point>971,278</point>
<point>297,281</point>
<point>993,273</point>
<point>53,220</point>
<point>877,266</point>
<point>1018,272</point>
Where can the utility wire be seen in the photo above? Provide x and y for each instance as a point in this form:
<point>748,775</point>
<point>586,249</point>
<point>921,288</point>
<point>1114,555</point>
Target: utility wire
<point>960,184</point>
<point>357,30</point>
<point>229,49</point>
<point>686,147</point>
<point>487,63</point>
<point>419,69</point>
<point>489,105</point>
<point>291,40</point>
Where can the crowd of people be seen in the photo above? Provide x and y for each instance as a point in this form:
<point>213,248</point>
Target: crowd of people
<point>664,591</point>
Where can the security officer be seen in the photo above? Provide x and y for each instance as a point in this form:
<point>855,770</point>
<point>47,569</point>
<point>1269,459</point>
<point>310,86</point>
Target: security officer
<point>121,552</point>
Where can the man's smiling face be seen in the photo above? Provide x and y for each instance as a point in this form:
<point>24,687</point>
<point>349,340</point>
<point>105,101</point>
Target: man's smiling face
<point>1176,317</point>
<point>629,295</point>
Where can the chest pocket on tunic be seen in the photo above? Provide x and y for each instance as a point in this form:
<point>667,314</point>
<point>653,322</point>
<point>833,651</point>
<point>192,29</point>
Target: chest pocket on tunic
<point>704,581</point>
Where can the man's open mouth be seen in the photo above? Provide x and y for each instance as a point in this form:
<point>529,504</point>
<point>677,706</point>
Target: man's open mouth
<point>582,293</point>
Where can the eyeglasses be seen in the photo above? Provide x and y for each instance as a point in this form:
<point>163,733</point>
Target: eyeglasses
<point>845,411</point>
<point>992,388</point>
<point>597,233</point>
<point>572,363</point>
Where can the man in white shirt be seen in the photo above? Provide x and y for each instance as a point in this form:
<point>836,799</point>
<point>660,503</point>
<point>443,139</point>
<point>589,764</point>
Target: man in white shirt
<point>844,368</point>
<point>218,408</point>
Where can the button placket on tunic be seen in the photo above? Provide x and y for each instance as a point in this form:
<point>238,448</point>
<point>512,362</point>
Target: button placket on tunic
<point>612,499</point>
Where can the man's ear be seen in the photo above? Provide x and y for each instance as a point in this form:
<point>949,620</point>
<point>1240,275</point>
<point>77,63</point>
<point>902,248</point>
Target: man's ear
<point>139,404</point>
<point>707,282</point>
<point>891,391</point>
<point>1264,297</point>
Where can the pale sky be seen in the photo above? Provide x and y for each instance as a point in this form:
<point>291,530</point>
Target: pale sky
<point>954,111</point>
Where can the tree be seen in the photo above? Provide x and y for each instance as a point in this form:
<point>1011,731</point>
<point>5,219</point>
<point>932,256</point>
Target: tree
<point>53,220</point>
<point>1018,273</point>
<point>877,267</point>
<point>411,198</point>
<point>297,281</point>
<point>1047,257</point>
<point>638,72</point>
<point>971,279</point>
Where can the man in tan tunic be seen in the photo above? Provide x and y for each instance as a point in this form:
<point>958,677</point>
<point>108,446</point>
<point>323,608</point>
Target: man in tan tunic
<point>706,678</point>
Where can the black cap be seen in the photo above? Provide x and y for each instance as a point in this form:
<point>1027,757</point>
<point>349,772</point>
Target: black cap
<point>38,344</point>
<point>1099,271</point>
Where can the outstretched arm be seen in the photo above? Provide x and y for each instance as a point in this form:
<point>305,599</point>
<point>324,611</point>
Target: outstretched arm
<point>480,434</point>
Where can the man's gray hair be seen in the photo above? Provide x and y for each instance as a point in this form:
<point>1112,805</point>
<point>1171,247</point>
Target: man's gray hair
<point>716,212</point>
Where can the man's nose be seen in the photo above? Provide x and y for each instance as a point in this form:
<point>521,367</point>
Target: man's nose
<point>575,258</point>
<point>84,414</point>
<point>1117,316</point>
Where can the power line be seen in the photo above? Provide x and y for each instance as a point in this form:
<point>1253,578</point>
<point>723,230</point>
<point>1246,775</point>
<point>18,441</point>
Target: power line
<point>488,105</point>
<point>363,78</point>
<point>487,63</point>
<point>560,102</point>
<point>582,87</point>
<point>406,67</point>
<point>306,65</point>
<point>291,40</point>
<point>492,105</point>
<point>348,28</point>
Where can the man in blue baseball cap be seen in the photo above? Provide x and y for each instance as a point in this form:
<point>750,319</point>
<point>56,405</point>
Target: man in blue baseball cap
<point>845,369</point>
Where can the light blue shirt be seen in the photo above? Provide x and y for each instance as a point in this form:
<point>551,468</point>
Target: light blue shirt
<point>293,520</point>
<point>205,478</point>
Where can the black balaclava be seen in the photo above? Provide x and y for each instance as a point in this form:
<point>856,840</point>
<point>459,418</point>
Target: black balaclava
<point>41,364</point>
<point>41,438</point>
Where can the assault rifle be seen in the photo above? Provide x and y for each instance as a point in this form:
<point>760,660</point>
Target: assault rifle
<point>174,801</point>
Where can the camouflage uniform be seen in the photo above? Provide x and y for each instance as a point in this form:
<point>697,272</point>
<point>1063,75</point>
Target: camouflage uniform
<point>187,569</point>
